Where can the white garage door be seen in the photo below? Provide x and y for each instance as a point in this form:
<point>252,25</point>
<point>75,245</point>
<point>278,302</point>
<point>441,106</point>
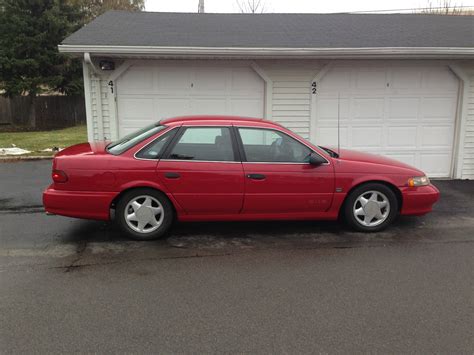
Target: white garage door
<point>148,93</point>
<point>406,112</point>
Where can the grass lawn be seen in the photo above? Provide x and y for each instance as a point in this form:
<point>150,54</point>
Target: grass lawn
<point>37,141</point>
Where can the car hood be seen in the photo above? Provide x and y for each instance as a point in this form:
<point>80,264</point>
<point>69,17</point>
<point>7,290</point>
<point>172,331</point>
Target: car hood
<point>355,156</point>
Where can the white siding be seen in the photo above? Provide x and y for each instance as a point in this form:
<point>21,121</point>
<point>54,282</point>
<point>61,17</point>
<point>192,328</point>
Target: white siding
<point>292,91</point>
<point>468,154</point>
<point>94,111</point>
<point>99,111</point>
<point>105,108</point>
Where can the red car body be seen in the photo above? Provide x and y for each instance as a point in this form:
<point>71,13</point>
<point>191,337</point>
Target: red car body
<point>220,190</point>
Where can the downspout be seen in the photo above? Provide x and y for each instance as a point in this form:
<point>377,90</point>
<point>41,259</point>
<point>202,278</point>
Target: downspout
<point>88,60</point>
<point>98,96</point>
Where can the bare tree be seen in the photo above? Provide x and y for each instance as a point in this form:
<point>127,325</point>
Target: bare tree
<point>251,6</point>
<point>442,7</point>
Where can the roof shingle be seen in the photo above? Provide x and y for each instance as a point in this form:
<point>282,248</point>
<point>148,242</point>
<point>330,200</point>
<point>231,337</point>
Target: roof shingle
<point>120,28</point>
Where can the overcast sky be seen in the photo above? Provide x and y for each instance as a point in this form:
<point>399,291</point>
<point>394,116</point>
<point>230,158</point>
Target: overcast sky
<point>296,5</point>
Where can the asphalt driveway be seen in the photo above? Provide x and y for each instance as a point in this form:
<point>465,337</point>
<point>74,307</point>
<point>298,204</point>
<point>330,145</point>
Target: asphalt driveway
<point>260,287</point>
<point>22,185</point>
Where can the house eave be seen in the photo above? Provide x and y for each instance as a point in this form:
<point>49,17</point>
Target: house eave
<point>241,52</point>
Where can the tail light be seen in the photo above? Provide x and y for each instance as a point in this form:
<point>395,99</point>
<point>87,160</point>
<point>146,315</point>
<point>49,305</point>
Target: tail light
<point>59,176</point>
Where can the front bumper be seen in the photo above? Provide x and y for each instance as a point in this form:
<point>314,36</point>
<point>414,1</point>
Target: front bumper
<point>78,204</point>
<point>419,200</point>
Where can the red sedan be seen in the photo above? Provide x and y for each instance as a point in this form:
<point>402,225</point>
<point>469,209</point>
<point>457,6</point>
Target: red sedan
<point>205,168</point>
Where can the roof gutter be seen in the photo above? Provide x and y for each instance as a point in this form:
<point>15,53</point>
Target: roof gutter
<point>230,52</point>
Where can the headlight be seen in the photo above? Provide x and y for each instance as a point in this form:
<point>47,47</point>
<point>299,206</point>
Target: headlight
<point>418,181</point>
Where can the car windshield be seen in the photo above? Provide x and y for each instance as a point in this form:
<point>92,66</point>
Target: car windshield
<point>130,140</point>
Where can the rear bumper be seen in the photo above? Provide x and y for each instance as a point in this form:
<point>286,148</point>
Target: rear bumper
<point>78,204</point>
<point>419,200</point>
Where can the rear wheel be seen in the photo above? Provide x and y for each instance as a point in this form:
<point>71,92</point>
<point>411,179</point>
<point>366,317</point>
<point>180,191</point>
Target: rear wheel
<point>371,207</point>
<point>144,214</point>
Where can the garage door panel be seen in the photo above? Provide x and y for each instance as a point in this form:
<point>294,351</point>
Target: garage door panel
<point>336,80</point>
<point>328,109</point>
<point>136,107</point>
<point>366,137</point>
<point>245,107</point>
<point>402,137</point>
<point>371,108</point>
<point>403,108</point>
<point>136,79</point>
<point>245,80</point>
<point>173,79</point>
<point>439,107</point>
<point>169,107</point>
<point>437,136</point>
<point>327,136</point>
<point>438,164</point>
<point>403,111</point>
<point>439,79</point>
<point>406,78</point>
<point>215,106</point>
<point>211,79</point>
<point>371,79</point>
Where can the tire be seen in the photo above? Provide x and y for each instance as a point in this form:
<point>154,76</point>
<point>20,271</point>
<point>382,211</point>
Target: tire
<point>380,209</point>
<point>150,214</point>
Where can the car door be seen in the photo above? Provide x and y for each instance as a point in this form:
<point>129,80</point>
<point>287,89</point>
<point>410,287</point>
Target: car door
<point>278,176</point>
<point>201,170</point>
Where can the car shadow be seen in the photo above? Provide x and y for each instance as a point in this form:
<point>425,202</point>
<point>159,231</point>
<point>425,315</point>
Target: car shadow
<point>251,235</point>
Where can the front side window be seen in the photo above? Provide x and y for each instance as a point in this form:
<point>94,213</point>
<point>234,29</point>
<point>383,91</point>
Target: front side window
<point>265,145</point>
<point>204,143</point>
<point>132,139</point>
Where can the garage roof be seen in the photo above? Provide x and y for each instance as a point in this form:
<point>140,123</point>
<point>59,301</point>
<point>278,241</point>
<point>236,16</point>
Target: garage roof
<point>120,28</point>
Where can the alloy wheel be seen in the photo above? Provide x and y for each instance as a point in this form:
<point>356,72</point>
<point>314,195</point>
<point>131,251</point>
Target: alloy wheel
<point>144,214</point>
<point>371,208</point>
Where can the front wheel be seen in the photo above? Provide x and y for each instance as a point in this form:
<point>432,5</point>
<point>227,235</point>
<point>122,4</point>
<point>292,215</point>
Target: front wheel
<point>371,207</point>
<point>144,214</point>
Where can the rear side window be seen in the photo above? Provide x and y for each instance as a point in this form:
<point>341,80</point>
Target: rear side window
<point>204,143</point>
<point>155,149</point>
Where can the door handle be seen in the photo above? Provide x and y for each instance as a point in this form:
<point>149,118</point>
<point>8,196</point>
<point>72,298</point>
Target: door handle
<point>172,175</point>
<point>256,176</point>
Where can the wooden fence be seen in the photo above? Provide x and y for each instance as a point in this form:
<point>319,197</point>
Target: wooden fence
<point>42,112</point>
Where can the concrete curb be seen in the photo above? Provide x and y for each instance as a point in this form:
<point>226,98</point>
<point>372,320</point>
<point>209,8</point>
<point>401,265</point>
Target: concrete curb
<point>10,159</point>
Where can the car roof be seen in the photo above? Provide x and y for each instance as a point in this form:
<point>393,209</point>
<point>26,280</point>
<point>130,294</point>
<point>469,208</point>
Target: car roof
<point>216,118</point>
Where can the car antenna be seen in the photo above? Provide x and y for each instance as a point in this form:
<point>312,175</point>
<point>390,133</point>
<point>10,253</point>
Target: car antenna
<point>338,123</point>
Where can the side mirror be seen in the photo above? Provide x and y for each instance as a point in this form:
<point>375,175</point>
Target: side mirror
<point>316,159</point>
